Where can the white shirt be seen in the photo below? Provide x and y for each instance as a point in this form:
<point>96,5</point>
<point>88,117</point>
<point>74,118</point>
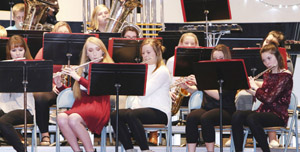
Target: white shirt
<point>170,65</point>
<point>157,91</point>
<point>14,101</point>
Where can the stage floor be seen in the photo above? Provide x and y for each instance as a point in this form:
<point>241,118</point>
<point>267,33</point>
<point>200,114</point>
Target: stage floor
<point>154,148</point>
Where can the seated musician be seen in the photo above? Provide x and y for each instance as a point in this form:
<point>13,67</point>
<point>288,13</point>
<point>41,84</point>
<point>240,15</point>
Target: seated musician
<point>130,32</point>
<point>98,20</point>
<point>12,104</point>
<point>274,93</point>
<point>208,115</point>
<point>3,32</point>
<point>154,107</point>
<point>18,16</point>
<point>87,111</point>
<point>44,100</point>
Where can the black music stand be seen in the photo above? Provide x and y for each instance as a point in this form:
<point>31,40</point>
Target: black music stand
<point>104,37</point>
<point>64,48</point>
<point>171,39</point>
<point>26,76</point>
<point>3,42</point>
<point>221,75</point>
<point>185,57</point>
<point>34,39</point>
<point>117,79</point>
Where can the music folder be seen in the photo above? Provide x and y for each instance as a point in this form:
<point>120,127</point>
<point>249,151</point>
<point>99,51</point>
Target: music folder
<point>185,57</point>
<point>125,50</point>
<point>3,42</point>
<point>104,37</point>
<point>58,45</point>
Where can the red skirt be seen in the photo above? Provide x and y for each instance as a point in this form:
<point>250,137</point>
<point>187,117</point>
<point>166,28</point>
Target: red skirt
<point>94,110</point>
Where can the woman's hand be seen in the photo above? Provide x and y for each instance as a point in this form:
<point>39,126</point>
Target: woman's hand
<point>71,72</point>
<point>253,84</point>
<point>57,81</point>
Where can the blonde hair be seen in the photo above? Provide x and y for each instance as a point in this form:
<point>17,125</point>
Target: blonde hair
<point>188,34</point>
<point>84,58</point>
<point>17,41</point>
<point>158,49</point>
<point>60,24</point>
<point>3,32</point>
<point>278,35</point>
<point>20,7</point>
<point>94,20</point>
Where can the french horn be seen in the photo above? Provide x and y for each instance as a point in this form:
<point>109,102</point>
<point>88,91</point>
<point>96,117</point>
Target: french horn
<point>36,14</point>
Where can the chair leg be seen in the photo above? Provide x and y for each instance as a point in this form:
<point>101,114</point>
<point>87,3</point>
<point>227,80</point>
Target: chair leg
<point>103,139</point>
<point>245,138</point>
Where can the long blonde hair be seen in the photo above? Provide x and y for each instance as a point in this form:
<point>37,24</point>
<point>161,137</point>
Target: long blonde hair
<point>84,58</point>
<point>158,49</point>
<point>60,24</point>
<point>188,34</point>
<point>94,20</point>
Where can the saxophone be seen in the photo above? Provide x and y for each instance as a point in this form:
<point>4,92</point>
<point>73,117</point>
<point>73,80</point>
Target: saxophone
<point>180,94</point>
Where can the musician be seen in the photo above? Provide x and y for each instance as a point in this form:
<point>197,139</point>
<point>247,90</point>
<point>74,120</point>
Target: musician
<point>154,107</point>
<point>12,104</point>
<point>208,115</point>
<point>44,100</point>
<point>130,32</point>
<point>3,32</point>
<point>274,93</point>
<point>87,111</point>
<point>98,20</point>
<point>18,16</point>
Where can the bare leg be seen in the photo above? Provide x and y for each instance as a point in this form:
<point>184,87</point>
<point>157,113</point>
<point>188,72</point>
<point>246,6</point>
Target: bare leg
<point>210,146</point>
<point>191,147</point>
<point>63,123</point>
<point>272,136</point>
<point>77,125</point>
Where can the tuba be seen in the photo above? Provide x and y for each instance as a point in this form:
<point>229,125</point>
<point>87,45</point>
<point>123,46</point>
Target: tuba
<point>36,14</point>
<point>119,11</point>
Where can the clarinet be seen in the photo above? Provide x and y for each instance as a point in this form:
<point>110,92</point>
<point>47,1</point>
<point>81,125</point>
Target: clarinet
<point>260,74</point>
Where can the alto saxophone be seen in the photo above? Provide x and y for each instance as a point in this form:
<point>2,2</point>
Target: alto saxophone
<point>180,94</point>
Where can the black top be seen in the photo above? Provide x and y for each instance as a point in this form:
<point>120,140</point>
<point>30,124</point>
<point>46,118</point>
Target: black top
<point>228,101</point>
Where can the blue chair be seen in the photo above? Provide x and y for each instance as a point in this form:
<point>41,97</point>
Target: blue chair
<point>65,99</point>
<point>291,129</point>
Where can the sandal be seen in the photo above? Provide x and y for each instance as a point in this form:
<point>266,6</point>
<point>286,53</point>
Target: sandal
<point>45,143</point>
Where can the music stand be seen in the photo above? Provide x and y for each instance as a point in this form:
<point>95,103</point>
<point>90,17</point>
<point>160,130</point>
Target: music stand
<point>34,39</point>
<point>26,76</point>
<point>3,42</point>
<point>64,48</point>
<point>104,37</point>
<point>117,79</point>
<point>171,39</point>
<point>185,57</point>
<point>221,75</point>
<point>125,50</point>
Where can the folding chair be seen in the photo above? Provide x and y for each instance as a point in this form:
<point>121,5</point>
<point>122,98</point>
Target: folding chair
<point>65,99</point>
<point>292,127</point>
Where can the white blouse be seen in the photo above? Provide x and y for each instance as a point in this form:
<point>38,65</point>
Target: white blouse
<point>157,91</point>
<point>15,101</point>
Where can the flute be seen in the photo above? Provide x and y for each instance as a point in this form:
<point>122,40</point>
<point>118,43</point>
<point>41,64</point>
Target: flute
<point>75,68</point>
<point>260,74</point>
<point>15,59</point>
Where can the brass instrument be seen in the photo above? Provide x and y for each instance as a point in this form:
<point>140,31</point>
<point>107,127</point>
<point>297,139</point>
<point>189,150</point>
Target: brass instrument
<point>36,13</point>
<point>180,94</point>
<point>119,11</point>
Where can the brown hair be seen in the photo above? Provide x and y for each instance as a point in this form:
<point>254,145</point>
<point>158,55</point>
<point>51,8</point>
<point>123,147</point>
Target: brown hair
<point>94,20</point>
<point>273,49</point>
<point>84,58</point>
<point>60,24</point>
<point>17,41</point>
<point>158,49</point>
<point>129,28</point>
<point>188,34</point>
<point>224,49</point>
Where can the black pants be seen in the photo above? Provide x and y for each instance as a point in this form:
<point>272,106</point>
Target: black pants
<point>43,100</point>
<point>7,131</point>
<point>256,122</point>
<point>135,120</point>
<point>207,120</point>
